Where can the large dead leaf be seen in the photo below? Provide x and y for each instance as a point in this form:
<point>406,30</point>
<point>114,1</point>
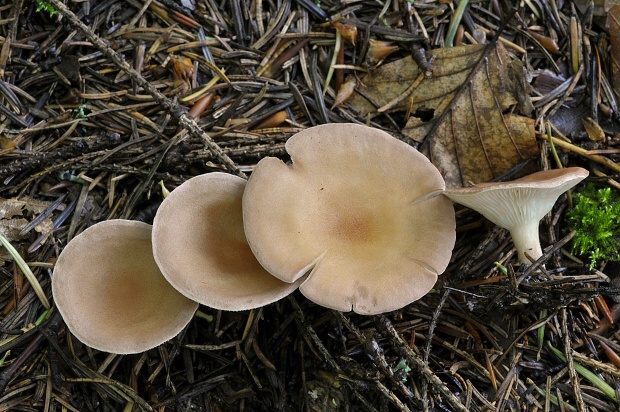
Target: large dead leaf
<point>468,137</point>
<point>614,34</point>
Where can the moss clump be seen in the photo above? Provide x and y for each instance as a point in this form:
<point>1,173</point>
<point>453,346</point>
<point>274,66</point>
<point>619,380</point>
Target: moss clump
<point>596,221</point>
<point>45,6</point>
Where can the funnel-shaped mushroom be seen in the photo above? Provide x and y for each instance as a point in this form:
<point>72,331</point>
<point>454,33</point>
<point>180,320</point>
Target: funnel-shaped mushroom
<point>111,293</point>
<point>520,204</point>
<point>356,208</point>
<point>200,246</point>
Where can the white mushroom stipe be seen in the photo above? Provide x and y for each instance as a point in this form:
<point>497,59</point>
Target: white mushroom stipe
<point>519,205</point>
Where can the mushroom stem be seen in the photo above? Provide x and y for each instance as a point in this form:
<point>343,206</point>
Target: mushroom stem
<point>525,237</point>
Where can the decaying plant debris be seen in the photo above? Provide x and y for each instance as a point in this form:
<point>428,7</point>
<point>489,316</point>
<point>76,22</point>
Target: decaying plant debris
<point>103,100</point>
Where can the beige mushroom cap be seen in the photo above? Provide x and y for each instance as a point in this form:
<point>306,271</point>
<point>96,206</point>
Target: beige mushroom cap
<point>200,246</point>
<point>519,205</point>
<point>111,293</point>
<point>356,209</point>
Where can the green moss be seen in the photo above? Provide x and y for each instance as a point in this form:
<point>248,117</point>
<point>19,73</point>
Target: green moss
<point>43,5</point>
<point>596,221</point>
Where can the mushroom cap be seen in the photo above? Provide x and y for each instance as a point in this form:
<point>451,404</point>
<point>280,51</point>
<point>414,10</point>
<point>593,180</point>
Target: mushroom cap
<point>112,295</point>
<point>355,208</point>
<point>521,201</point>
<point>200,246</point>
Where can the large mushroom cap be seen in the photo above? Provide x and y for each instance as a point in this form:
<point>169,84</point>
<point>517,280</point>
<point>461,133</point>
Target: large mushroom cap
<point>519,205</point>
<point>200,246</point>
<point>353,208</point>
<point>111,293</point>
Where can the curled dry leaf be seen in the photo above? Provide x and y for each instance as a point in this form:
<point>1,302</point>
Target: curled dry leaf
<point>345,91</point>
<point>347,31</point>
<point>460,118</point>
<point>182,70</point>
<point>594,131</point>
<point>379,50</point>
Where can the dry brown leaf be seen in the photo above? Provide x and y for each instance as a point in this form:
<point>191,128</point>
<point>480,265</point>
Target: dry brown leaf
<point>345,91</point>
<point>468,137</point>
<point>12,207</point>
<point>594,131</point>
<point>46,226</point>
<point>451,66</point>
<point>614,34</point>
<point>463,157</point>
<point>12,221</point>
<point>182,71</point>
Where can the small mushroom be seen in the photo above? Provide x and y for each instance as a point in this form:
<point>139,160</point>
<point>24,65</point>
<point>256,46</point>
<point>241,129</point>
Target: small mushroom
<point>359,210</point>
<point>519,205</point>
<point>200,246</point>
<point>112,295</point>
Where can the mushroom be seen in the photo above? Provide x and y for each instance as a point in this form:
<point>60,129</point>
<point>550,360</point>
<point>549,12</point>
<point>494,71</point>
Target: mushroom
<point>519,205</point>
<point>359,210</point>
<point>200,246</point>
<point>111,294</point>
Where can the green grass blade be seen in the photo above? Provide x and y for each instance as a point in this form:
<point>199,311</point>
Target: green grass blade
<point>454,23</point>
<point>589,375</point>
<point>26,270</point>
